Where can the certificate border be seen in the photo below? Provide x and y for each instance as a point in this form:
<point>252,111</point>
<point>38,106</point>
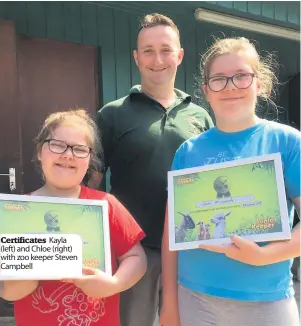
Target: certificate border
<point>73,201</point>
<point>284,235</point>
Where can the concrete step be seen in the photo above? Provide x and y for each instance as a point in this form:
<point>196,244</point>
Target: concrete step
<point>7,321</point>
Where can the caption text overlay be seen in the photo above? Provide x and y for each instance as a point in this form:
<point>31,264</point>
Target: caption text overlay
<point>40,256</point>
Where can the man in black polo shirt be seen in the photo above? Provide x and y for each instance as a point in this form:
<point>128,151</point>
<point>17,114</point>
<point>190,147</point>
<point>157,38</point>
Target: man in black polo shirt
<point>140,134</point>
<point>1,288</point>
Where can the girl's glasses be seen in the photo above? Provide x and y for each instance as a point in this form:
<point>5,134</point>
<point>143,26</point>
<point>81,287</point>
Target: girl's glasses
<point>241,81</point>
<point>60,147</point>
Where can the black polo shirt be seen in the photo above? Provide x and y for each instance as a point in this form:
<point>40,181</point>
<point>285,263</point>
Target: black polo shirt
<point>139,138</point>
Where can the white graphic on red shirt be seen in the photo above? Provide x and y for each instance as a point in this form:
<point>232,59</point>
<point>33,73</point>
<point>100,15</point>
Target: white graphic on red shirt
<point>75,304</point>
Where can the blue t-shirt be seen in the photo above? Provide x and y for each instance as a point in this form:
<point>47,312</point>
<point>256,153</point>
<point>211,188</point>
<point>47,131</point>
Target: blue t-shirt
<point>213,273</point>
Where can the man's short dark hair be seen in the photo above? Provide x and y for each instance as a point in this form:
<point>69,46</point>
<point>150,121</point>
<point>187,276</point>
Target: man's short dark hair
<point>155,19</point>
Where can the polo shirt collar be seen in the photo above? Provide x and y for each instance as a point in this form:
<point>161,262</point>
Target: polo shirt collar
<point>182,96</point>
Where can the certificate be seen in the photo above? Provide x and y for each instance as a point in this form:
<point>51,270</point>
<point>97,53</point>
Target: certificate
<point>51,215</point>
<point>245,197</point>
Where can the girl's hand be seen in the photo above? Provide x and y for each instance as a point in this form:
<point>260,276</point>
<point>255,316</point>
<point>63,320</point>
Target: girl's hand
<point>241,249</point>
<point>95,283</point>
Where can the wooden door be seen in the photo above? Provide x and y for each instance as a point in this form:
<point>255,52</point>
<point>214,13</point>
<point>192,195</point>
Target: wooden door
<point>53,76</point>
<point>37,77</point>
<point>10,145</point>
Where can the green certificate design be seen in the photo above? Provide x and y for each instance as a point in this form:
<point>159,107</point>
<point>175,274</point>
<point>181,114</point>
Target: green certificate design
<point>37,215</point>
<point>245,197</point>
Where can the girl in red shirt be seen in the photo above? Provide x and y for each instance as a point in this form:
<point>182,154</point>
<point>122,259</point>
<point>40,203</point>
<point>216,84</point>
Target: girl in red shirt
<point>66,146</point>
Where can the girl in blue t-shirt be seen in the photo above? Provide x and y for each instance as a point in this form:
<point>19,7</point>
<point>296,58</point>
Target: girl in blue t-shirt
<point>242,283</point>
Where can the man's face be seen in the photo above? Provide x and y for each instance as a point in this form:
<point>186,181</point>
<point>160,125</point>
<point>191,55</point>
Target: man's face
<point>158,55</point>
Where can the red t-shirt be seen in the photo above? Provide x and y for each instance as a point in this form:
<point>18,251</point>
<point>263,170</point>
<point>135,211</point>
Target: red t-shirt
<point>55,303</point>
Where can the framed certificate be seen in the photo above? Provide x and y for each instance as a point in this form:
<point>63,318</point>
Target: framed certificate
<point>245,197</point>
<point>52,215</point>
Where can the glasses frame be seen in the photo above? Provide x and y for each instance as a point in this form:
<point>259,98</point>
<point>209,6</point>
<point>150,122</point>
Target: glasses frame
<point>68,146</point>
<point>231,78</point>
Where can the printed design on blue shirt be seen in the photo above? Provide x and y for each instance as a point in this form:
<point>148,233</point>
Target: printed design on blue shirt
<point>221,157</point>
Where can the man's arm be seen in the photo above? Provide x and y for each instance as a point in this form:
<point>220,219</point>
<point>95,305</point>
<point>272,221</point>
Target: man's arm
<point>105,122</point>
<point>169,272</point>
